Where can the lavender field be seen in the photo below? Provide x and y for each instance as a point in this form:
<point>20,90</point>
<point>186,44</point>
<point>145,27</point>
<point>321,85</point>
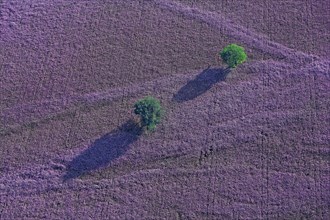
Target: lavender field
<point>251,143</point>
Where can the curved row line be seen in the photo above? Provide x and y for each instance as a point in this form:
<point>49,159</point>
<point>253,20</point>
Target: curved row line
<point>25,112</point>
<point>238,32</point>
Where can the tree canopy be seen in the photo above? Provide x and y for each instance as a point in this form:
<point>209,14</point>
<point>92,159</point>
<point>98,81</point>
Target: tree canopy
<point>233,55</point>
<point>150,111</point>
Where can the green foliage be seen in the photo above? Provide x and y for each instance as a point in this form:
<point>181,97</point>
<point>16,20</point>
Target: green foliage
<point>150,112</point>
<point>233,55</point>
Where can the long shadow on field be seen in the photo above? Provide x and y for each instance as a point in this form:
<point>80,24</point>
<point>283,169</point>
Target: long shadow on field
<point>104,150</point>
<point>201,84</point>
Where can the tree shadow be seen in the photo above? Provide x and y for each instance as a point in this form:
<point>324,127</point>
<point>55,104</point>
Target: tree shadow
<point>201,84</point>
<point>104,150</point>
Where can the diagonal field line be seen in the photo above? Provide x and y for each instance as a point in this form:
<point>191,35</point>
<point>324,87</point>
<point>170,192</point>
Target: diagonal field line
<point>238,32</point>
<point>57,106</point>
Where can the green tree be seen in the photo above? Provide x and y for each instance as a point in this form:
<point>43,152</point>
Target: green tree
<point>150,111</point>
<point>233,55</point>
